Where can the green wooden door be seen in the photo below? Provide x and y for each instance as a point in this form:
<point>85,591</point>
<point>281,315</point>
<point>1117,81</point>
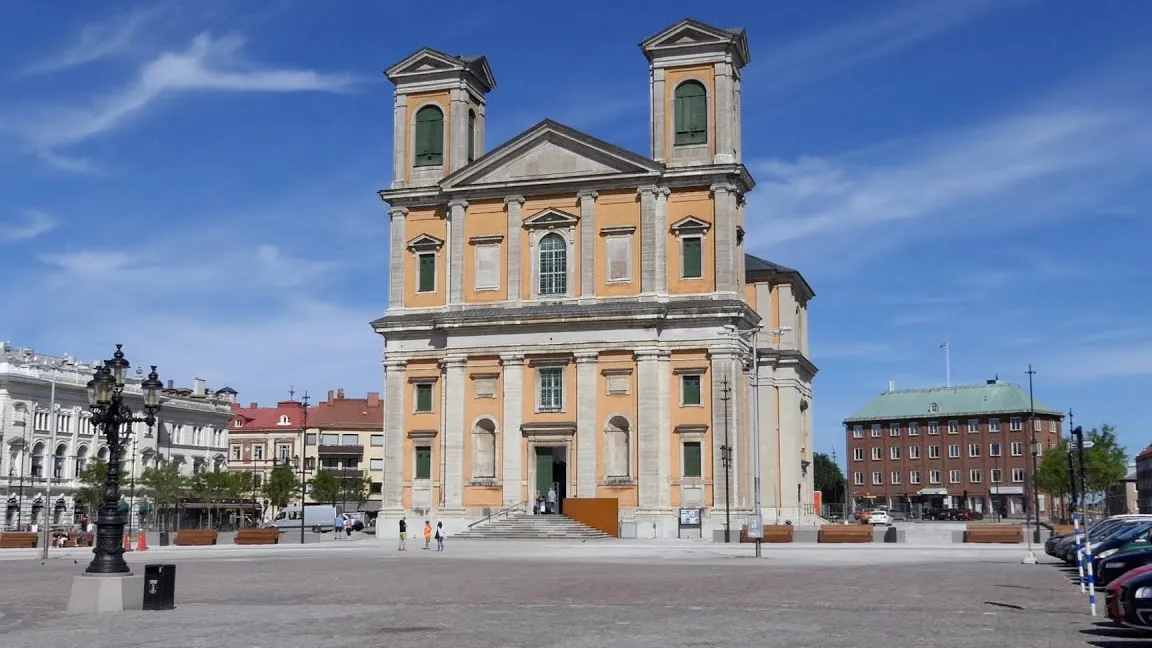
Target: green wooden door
<point>543,471</point>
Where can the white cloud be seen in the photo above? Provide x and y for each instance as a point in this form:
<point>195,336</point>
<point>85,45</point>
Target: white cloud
<point>111,38</point>
<point>209,64</point>
<point>1087,364</point>
<point>32,223</point>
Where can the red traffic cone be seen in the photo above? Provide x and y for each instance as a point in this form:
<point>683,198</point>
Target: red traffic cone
<point>141,541</point>
<point>127,542</point>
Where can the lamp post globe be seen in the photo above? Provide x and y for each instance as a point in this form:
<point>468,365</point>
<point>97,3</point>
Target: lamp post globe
<point>118,365</point>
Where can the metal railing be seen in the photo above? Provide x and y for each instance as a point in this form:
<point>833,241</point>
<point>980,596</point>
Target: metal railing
<point>504,512</point>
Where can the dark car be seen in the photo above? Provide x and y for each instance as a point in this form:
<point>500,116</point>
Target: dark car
<point>1116,566</point>
<point>1131,536</point>
<point>1135,602</point>
<point>1065,549</point>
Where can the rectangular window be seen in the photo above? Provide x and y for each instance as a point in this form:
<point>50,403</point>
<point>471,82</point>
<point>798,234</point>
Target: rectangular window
<point>329,439</point>
<point>692,459</point>
<point>349,439</point>
<point>1018,475</point>
<point>953,427</point>
<point>858,454</point>
<point>283,452</point>
<point>376,464</point>
<point>933,452</point>
<point>486,266</point>
<point>236,452</point>
<point>895,478</point>
<point>310,439</point>
<point>894,430</point>
<point>877,479</point>
<point>258,452</point>
<point>1015,424</point>
<point>690,389</point>
<point>426,273</point>
<point>691,257</point>
<point>423,397</point>
<point>954,451</point>
<point>423,462</point>
<point>973,425</point>
<point>875,430</point>
<point>858,478</point>
<point>995,475</point>
<point>858,432</point>
<point>994,425</point>
<point>974,476</point>
<point>894,453</point>
<point>1017,449</point>
<point>914,477</point>
<point>933,476</point>
<point>377,441</point>
<point>551,389</point>
<point>913,429</point>
<point>913,452</point>
<point>618,257</point>
<point>876,456</point>
<point>994,450</point>
<point>954,476</point>
<point>933,428</point>
<point>973,449</point>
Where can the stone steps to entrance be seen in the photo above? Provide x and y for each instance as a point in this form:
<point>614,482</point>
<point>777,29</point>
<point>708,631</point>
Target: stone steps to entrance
<point>528,527</point>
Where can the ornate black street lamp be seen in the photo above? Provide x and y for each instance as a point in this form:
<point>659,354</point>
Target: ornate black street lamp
<point>112,416</point>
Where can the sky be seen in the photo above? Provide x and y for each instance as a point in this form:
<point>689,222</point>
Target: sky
<point>197,180</point>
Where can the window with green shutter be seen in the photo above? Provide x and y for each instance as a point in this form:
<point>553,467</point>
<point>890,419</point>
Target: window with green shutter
<point>427,273</point>
<point>693,461</point>
<point>429,149</point>
<point>471,135</point>
<point>423,462</point>
<point>691,113</point>
<point>423,397</point>
<point>691,257</point>
<point>690,390</point>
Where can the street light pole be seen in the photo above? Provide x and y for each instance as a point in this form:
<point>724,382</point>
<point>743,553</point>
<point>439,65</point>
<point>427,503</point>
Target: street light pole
<point>726,459</point>
<point>303,478</point>
<point>1035,478</point>
<point>53,422</point>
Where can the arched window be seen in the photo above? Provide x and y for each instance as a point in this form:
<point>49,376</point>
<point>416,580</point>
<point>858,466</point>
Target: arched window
<point>81,460</point>
<point>617,446</point>
<point>553,265</point>
<point>102,454</point>
<point>691,113</point>
<point>484,449</point>
<point>471,135</point>
<point>429,136</point>
<point>58,460</point>
<point>38,460</point>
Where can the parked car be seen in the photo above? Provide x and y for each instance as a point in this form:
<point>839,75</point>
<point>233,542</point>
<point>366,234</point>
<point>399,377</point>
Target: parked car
<point>879,518</point>
<point>1134,602</point>
<point>1106,534</point>
<point>1121,564</point>
<point>1112,608</point>
<point>1065,547</point>
<point>1131,536</point>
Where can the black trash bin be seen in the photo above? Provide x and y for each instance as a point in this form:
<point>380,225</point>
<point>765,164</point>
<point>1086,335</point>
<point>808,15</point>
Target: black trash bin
<point>159,587</point>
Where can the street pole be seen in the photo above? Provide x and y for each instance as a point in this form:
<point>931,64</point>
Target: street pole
<point>756,443</point>
<point>49,508</point>
<point>1035,478</point>
<point>303,480</point>
<point>726,459</point>
<point>1071,466</point>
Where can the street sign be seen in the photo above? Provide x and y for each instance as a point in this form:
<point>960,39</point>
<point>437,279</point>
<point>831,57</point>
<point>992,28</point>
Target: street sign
<point>1087,444</point>
<point>755,527</point>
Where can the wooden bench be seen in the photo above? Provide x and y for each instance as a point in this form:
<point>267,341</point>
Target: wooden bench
<point>773,534</point>
<point>257,536</point>
<point>994,534</point>
<point>844,533</point>
<point>19,540</point>
<point>1063,529</point>
<point>195,538</point>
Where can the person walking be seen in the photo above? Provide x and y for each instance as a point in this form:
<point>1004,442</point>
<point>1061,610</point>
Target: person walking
<point>440,536</point>
<point>348,527</point>
<point>337,525</point>
<point>403,532</point>
<point>427,534</point>
<point>552,500</point>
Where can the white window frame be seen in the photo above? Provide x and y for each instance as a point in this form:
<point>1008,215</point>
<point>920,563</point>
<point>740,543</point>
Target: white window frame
<point>858,432</point>
<point>933,428</point>
<point>954,476</point>
<point>541,371</point>
<point>973,450</point>
<point>877,454</point>
<point>993,425</point>
<point>894,453</point>
<point>417,382</point>
<point>913,429</point>
<point>913,452</point>
<point>877,430</point>
<point>995,449</point>
<point>954,451</point>
<point>914,477</point>
<point>1015,424</point>
<point>698,374</point>
<point>1017,449</point>
<point>954,427</point>
<point>858,454</point>
<point>933,452</point>
<point>541,224</point>
<point>995,475</point>
<point>1018,475</point>
<point>237,451</point>
<point>877,478</point>
<point>893,429</point>
<point>933,476</point>
<point>858,478</point>
<point>973,426</point>
<point>974,476</point>
<point>895,478</point>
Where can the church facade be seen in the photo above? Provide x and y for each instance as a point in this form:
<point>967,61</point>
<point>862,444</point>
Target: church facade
<point>564,313</point>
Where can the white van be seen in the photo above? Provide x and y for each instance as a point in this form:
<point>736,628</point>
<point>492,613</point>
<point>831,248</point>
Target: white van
<point>319,517</point>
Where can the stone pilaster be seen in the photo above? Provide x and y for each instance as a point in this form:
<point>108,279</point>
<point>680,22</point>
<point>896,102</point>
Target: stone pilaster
<point>586,392</point>
<point>511,464</point>
<point>660,241</point>
<point>452,481</point>
<point>659,128</point>
<point>648,429</point>
<point>455,260</point>
<point>737,120</point>
<point>587,243</point>
<point>648,240</point>
<point>458,116</point>
<point>395,380</point>
<point>664,428</point>
<point>724,367</point>
<point>724,235</point>
<point>398,216</point>
<point>515,228</point>
<point>399,136</point>
<point>725,150</point>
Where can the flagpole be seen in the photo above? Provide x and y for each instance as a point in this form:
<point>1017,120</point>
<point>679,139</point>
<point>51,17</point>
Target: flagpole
<point>947,363</point>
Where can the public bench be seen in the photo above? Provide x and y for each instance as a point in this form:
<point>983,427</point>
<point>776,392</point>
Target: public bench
<point>994,534</point>
<point>195,537</point>
<point>844,533</point>
<point>257,536</point>
<point>1063,529</point>
<point>773,534</point>
<point>19,540</point>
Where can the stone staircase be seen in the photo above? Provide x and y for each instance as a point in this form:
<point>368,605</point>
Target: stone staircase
<point>526,526</point>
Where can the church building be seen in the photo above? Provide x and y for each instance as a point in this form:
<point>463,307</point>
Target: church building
<point>565,313</point>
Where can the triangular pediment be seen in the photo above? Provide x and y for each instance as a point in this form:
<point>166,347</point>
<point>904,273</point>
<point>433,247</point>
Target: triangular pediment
<point>550,218</point>
<point>690,225</point>
<point>548,152</point>
<point>689,34</point>
<point>425,242</point>
<point>425,59</point>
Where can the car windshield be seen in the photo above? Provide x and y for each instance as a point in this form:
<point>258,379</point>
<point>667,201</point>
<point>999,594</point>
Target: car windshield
<point>1135,532</point>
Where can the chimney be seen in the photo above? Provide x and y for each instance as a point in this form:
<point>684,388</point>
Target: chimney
<point>330,394</point>
<point>171,384</point>
<point>339,394</point>
<point>373,399</point>
<point>992,381</point>
<point>891,385</point>
<point>253,405</point>
<point>199,387</point>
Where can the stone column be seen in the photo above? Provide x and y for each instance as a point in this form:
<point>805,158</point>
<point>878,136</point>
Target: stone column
<point>395,380</point>
<point>512,470</point>
<point>648,240</point>
<point>658,126</point>
<point>515,228</point>
<point>452,481</point>
<point>724,235</point>
<point>399,137</point>
<point>737,119</point>
<point>660,241</point>
<point>458,130</point>
<point>455,260</point>
<point>587,243</point>
<point>398,216</point>
<point>724,363</point>
<point>664,427</point>
<point>725,151</point>
<point>648,428</point>
<point>586,392</point>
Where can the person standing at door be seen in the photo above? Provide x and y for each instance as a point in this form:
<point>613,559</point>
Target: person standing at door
<point>403,533</point>
<point>440,536</point>
<point>552,500</point>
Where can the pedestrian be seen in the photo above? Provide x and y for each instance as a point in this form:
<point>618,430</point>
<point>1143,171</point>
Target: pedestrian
<point>337,525</point>
<point>427,534</point>
<point>440,536</point>
<point>552,500</point>
<point>403,532</point>
<point>348,526</point>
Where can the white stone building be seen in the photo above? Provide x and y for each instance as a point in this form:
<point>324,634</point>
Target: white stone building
<point>192,428</point>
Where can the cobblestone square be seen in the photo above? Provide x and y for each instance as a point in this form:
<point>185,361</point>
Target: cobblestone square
<point>480,594</point>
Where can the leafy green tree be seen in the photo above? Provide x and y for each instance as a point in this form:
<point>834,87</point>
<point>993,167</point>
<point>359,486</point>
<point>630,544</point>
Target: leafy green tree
<point>1105,463</point>
<point>91,492</point>
<point>354,490</point>
<point>242,486</point>
<point>165,485</point>
<point>281,486</point>
<point>827,478</point>
<point>326,487</point>
<point>1052,473</point>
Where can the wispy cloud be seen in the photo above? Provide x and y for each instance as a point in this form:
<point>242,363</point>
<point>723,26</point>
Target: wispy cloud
<point>849,44</point>
<point>32,223</point>
<point>209,64</point>
<point>1090,363</point>
<point>114,37</point>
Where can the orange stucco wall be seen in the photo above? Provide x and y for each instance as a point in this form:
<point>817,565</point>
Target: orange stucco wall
<point>474,409</point>
<point>484,218</point>
<point>692,415</point>
<point>698,204</point>
<point>430,221</point>
<point>608,405</point>
<point>672,78</point>
<point>531,207</point>
<point>617,209</point>
<point>417,101</point>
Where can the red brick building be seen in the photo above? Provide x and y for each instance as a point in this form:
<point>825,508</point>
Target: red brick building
<point>951,447</point>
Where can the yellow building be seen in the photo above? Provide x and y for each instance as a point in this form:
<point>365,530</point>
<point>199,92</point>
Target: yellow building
<point>562,311</point>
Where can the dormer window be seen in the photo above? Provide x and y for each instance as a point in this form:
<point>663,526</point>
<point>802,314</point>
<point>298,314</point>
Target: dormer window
<point>238,423</point>
<point>284,420</point>
<point>933,408</point>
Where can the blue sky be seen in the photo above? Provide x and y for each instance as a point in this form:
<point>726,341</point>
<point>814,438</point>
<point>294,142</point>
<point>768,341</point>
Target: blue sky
<point>197,180</point>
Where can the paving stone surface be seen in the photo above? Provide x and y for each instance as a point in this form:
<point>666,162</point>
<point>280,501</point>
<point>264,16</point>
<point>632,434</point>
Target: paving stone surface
<point>626,595</point>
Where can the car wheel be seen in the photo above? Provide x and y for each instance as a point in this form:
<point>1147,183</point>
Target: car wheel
<point>317,529</point>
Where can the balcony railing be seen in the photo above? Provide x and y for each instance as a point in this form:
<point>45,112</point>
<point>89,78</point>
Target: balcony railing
<point>341,450</point>
<point>344,472</point>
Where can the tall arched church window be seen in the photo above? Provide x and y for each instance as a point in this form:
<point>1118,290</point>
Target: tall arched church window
<point>553,265</point>
<point>429,136</point>
<point>691,113</point>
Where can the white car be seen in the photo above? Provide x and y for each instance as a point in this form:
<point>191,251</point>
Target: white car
<point>879,517</point>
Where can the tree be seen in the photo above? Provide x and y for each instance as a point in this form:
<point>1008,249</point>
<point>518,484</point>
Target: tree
<point>354,490</point>
<point>1052,474</point>
<point>211,486</point>
<point>827,478</point>
<point>281,486</point>
<point>92,486</point>
<point>164,484</point>
<point>326,487</point>
<point>242,486</point>
<point>1105,463</point>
